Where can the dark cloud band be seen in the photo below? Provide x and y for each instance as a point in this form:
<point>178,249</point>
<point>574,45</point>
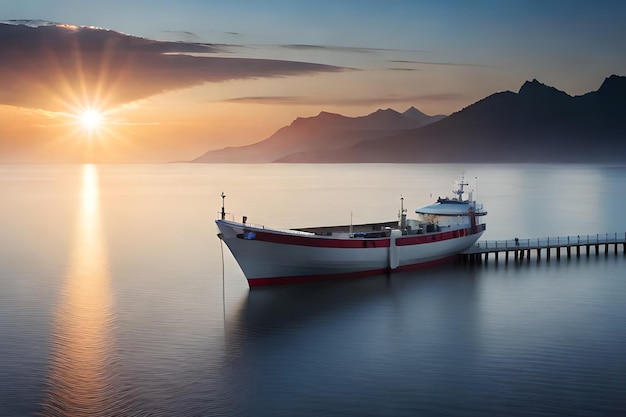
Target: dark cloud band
<point>51,66</point>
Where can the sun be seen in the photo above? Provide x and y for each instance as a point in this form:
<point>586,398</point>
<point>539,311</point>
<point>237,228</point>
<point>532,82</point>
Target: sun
<point>91,120</point>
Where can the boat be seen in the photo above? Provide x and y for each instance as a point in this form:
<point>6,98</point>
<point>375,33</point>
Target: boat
<point>270,256</point>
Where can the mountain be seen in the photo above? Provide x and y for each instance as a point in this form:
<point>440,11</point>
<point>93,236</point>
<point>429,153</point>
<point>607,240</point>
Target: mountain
<point>537,124</point>
<point>422,118</point>
<point>324,132</point>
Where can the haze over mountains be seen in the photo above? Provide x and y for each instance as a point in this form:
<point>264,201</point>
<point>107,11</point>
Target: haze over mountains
<point>324,132</point>
<point>537,124</point>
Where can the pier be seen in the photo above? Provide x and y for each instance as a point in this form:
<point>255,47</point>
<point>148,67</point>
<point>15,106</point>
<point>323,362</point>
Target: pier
<point>546,248</point>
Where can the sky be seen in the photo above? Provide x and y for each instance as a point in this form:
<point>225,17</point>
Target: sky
<point>161,81</point>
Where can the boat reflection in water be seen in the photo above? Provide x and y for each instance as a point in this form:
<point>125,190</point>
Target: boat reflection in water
<point>316,348</point>
<point>81,377</point>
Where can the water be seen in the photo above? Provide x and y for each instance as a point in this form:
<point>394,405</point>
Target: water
<point>111,297</point>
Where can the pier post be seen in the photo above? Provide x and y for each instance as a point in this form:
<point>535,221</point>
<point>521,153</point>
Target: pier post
<point>521,251</point>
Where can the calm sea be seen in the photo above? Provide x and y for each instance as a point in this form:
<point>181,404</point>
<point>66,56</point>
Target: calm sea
<point>115,298</point>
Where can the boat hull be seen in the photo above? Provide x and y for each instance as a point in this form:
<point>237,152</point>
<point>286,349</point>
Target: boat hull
<point>269,257</point>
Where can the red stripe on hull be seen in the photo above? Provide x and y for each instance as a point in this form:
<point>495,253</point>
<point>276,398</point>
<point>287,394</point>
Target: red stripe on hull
<point>258,282</point>
<point>320,242</point>
<point>436,237</point>
<point>324,242</point>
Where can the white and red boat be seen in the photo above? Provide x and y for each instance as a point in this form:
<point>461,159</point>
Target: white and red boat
<point>271,256</point>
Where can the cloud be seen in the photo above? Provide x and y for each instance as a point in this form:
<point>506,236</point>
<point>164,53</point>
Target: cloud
<point>29,22</point>
<point>454,64</point>
<point>356,101</point>
<point>342,49</point>
<point>404,69</point>
<point>270,100</point>
<point>52,67</point>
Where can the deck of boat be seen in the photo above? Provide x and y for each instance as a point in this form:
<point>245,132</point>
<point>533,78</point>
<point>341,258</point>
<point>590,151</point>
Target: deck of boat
<point>356,228</point>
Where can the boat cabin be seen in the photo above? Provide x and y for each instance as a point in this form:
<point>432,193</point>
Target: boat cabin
<point>444,215</point>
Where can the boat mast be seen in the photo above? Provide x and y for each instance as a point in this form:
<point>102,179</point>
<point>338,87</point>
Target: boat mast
<point>460,191</point>
<point>351,229</point>
<point>402,214</point>
<point>223,212</point>
<point>476,188</point>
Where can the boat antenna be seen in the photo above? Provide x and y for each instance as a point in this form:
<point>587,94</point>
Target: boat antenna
<point>223,212</point>
<point>476,189</point>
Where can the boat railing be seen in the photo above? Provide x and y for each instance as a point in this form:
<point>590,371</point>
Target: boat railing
<point>273,229</point>
<point>253,225</point>
<point>293,232</point>
<point>557,241</point>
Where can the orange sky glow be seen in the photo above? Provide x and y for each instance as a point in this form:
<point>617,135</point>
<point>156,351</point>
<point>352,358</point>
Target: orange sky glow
<point>167,91</point>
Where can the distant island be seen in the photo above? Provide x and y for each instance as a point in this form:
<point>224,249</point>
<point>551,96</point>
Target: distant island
<point>537,124</point>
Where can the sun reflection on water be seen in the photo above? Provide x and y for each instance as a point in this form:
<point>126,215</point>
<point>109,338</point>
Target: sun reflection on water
<point>81,374</point>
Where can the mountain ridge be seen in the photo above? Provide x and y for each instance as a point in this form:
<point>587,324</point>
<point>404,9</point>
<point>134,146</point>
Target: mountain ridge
<point>326,131</point>
<point>539,123</point>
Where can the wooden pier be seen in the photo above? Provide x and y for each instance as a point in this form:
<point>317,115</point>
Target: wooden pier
<point>522,249</point>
